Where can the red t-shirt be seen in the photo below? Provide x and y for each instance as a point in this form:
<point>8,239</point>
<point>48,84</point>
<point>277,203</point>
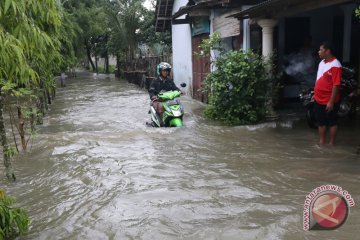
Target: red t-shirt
<point>328,75</point>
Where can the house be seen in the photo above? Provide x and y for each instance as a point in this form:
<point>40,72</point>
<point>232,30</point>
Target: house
<point>190,23</point>
<point>181,41</point>
<point>287,26</point>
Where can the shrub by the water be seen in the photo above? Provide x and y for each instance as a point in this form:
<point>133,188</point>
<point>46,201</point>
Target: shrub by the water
<point>238,88</point>
<point>13,221</point>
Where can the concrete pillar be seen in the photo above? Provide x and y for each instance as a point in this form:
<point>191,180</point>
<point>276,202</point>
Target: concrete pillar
<point>348,12</point>
<point>246,31</point>
<point>267,26</point>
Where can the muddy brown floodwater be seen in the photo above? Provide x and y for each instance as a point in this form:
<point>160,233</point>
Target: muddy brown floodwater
<point>96,171</point>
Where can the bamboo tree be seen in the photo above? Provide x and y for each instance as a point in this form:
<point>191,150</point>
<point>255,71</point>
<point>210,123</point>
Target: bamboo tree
<point>88,14</point>
<point>29,51</point>
<point>126,16</point>
<point>14,220</point>
<point>130,25</point>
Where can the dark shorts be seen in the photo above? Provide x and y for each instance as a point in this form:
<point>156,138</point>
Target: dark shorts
<point>325,118</point>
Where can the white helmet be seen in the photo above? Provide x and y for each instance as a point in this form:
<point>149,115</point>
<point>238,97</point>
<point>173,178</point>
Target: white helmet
<point>163,66</point>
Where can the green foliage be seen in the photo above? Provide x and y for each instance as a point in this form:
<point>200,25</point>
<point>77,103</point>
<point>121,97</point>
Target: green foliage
<point>83,22</point>
<point>29,51</point>
<point>357,12</point>
<point>131,25</point>
<point>68,37</point>
<point>237,88</point>
<point>9,152</point>
<point>107,27</point>
<point>124,17</point>
<point>147,34</point>
<point>213,43</point>
<point>13,221</point>
<point>28,40</point>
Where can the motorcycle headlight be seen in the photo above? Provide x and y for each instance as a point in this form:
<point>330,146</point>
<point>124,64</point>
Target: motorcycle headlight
<point>176,113</point>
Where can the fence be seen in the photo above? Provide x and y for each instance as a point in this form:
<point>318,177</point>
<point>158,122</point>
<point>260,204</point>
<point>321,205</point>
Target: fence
<point>141,71</point>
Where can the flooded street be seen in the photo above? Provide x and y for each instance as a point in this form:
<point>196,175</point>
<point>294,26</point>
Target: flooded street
<point>96,171</point>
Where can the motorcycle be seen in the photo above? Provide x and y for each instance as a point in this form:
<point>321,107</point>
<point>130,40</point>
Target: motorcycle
<point>348,98</point>
<point>173,110</point>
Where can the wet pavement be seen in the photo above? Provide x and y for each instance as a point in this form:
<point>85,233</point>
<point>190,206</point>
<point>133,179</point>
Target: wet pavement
<point>96,171</point>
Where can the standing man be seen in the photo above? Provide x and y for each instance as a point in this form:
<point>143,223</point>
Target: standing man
<point>326,93</point>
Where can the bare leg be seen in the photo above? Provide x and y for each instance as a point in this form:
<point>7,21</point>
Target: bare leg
<point>160,110</point>
<point>333,131</point>
<point>322,131</point>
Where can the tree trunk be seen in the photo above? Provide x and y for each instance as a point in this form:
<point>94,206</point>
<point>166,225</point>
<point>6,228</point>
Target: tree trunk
<point>45,100</point>
<point>107,62</point>
<point>106,55</point>
<point>12,129</point>
<point>117,74</point>
<point>88,53</point>
<point>48,96</point>
<point>21,128</point>
<point>96,64</point>
<point>6,149</point>
<point>53,93</point>
<point>126,60</point>
<point>32,119</point>
<point>41,108</point>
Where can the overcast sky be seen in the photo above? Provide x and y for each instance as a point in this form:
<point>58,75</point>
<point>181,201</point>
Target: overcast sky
<point>147,4</point>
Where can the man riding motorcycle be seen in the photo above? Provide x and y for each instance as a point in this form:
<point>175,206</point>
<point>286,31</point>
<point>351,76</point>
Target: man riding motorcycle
<point>161,83</point>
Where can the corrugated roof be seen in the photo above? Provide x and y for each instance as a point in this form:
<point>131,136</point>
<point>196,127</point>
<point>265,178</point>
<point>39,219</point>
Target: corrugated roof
<point>282,8</point>
<point>163,15</point>
<point>209,4</point>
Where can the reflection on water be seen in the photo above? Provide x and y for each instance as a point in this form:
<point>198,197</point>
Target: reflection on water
<point>97,172</point>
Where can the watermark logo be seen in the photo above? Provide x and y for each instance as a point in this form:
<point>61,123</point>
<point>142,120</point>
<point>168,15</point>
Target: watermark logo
<point>326,207</point>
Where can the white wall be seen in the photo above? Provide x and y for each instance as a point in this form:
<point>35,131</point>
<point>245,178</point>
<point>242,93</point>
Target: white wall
<point>101,61</point>
<point>182,51</point>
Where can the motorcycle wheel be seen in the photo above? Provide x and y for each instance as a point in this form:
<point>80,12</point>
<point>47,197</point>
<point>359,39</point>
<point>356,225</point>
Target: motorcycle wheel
<point>310,117</point>
<point>176,122</point>
<point>153,124</point>
<point>352,112</point>
<point>344,108</point>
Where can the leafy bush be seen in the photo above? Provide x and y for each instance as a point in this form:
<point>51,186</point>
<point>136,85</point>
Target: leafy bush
<point>13,221</point>
<point>238,88</point>
<point>357,12</point>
